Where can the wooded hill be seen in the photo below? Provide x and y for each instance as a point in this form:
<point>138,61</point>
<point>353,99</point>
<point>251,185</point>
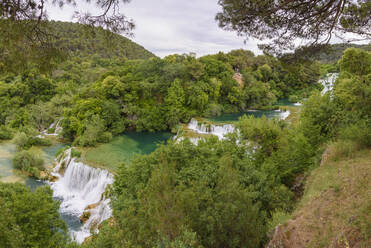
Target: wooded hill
<point>335,51</point>
<point>84,41</point>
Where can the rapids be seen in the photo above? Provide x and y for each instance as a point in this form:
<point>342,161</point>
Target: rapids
<point>80,188</point>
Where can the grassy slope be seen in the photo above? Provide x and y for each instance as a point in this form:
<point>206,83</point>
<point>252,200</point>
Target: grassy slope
<point>335,210</point>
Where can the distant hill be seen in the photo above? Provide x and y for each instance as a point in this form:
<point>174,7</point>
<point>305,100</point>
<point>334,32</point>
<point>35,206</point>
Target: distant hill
<point>336,51</point>
<point>85,42</point>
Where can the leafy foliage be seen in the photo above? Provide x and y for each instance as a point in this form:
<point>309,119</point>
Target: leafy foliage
<point>227,193</point>
<point>282,22</point>
<point>30,219</point>
<point>159,94</point>
<point>204,189</point>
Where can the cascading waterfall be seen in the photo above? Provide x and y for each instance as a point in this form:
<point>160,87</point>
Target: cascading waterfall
<point>221,130</point>
<point>217,130</point>
<point>80,188</point>
<point>328,82</point>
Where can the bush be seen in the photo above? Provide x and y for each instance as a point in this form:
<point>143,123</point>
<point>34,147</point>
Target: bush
<point>214,110</point>
<point>341,149</point>
<point>294,98</point>
<point>5,133</point>
<point>61,150</point>
<point>20,140</point>
<point>50,130</point>
<point>75,153</point>
<point>30,161</point>
<point>35,141</point>
<point>359,132</point>
<point>105,137</point>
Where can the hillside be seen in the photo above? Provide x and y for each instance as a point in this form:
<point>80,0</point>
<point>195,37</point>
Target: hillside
<point>335,210</point>
<point>334,52</point>
<point>82,42</point>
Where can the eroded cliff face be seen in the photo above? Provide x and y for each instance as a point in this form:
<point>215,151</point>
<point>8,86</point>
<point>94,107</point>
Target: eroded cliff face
<point>335,210</point>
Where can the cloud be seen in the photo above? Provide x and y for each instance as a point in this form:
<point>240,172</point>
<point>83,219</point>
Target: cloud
<point>173,26</point>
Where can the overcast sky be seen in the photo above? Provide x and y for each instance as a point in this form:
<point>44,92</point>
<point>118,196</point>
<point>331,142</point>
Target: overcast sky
<point>174,26</point>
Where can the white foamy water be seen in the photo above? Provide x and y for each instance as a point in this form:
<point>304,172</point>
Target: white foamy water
<point>283,114</point>
<point>77,188</point>
<point>328,82</point>
<point>217,130</point>
<point>57,129</point>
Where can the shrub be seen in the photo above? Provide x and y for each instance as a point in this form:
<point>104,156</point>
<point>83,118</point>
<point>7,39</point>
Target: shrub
<point>75,153</point>
<point>105,137</point>
<point>294,98</point>
<point>50,130</point>
<point>214,110</point>
<point>341,149</point>
<point>20,140</point>
<point>35,141</point>
<point>61,150</point>
<point>30,161</point>
<point>359,132</point>
<point>5,133</point>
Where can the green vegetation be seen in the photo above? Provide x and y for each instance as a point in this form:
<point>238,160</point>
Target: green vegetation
<point>335,208</point>
<point>30,161</point>
<point>97,44</point>
<point>219,193</point>
<point>334,52</point>
<point>190,195</point>
<point>159,94</point>
<point>281,23</point>
<point>122,149</point>
<point>30,219</point>
<point>100,98</point>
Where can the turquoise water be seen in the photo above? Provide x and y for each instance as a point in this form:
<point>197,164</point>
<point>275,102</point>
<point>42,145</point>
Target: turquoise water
<point>256,113</point>
<point>7,151</point>
<point>122,148</point>
<point>49,153</point>
<point>9,175</point>
<point>235,116</point>
<point>284,102</point>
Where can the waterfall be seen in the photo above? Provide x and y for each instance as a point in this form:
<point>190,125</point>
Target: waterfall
<point>57,129</point>
<point>80,188</point>
<point>283,114</point>
<point>328,82</point>
<point>217,130</point>
<point>193,140</point>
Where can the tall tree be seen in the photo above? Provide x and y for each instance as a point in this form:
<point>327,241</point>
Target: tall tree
<point>282,21</point>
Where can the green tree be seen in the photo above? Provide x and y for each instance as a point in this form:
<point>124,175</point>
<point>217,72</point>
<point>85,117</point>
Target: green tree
<point>356,61</point>
<point>32,216</point>
<point>174,102</point>
<point>285,21</point>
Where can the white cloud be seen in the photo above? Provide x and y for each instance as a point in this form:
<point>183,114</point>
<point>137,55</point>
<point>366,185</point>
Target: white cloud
<point>173,26</point>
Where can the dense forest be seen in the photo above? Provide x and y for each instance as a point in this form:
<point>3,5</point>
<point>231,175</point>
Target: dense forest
<point>219,193</point>
<point>229,193</point>
<point>86,42</point>
<point>97,98</point>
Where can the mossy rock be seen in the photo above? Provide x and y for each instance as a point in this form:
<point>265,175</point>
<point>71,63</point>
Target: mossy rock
<point>84,217</point>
